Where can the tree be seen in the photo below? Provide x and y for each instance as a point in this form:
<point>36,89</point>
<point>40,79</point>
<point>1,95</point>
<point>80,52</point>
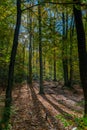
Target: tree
<point>71,52</point>
<point>64,52</point>
<point>30,48</point>
<point>40,51</point>
<point>81,50</point>
<point>8,99</point>
<point>6,37</point>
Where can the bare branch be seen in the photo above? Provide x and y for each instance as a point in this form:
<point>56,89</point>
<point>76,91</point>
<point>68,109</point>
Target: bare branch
<point>58,3</point>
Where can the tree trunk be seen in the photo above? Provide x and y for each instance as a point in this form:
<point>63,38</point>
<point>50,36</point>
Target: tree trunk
<point>33,54</point>
<point>24,56</point>
<point>71,51</point>
<point>8,99</point>
<point>82,52</point>
<point>30,51</point>
<point>55,65</point>
<point>44,72</point>
<point>64,49</point>
<point>41,91</point>
<point>54,52</point>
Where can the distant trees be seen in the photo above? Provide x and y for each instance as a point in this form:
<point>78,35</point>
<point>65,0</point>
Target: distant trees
<point>5,39</point>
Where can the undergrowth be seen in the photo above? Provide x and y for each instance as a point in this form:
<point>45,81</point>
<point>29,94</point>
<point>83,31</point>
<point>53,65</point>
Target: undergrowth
<point>79,122</point>
<point>4,125</point>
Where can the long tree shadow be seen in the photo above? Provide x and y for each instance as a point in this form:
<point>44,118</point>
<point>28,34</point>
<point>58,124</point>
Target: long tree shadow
<point>69,106</point>
<point>60,91</point>
<point>73,99</point>
<point>61,101</point>
<point>54,105</point>
<point>55,88</point>
<point>66,115</point>
<point>38,106</point>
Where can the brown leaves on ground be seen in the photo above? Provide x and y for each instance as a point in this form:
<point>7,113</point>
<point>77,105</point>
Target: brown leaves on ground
<point>38,112</point>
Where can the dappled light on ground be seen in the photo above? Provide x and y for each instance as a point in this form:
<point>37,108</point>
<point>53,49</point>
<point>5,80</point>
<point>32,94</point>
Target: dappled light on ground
<point>32,111</point>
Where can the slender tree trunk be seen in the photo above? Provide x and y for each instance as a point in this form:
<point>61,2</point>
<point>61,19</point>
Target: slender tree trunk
<point>44,73</point>
<point>33,53</point>
<point>66,34</point>
<point>66,49</point>
<point>71,49</point>
<point>64,60</point>
<point>24,55</point>
<point>30,50</point>
<point>36,58</point>
<point>55,65</point>
<point>40,51</point>
<point>81,51</point>
<point>8,99</point>
<point>54,53</point>
<point>71,66</point>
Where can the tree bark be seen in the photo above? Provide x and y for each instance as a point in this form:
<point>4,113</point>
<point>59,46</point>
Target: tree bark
<point>55,65</point>
<point>41,91</point>
<point>30,50</point>
<point>8,99</point>
<point>81,51</point>
<point>64,49</point>
<point>71,51</point>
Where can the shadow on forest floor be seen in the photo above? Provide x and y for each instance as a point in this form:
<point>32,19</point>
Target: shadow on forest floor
<point>33,111</point>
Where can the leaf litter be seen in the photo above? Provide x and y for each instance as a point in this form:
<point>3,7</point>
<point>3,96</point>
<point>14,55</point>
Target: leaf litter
<point>39,112</point>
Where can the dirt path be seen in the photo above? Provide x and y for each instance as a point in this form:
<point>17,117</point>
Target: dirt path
<point>38,112</point>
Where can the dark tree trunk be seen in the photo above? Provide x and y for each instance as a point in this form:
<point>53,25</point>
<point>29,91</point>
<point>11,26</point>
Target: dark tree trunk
<point>41,91</point>
<point>33,53</point>
<point>55,65</point>
<point>23,55</point>
<point>71,52</point>
<point>44,72</point>
<point>30,51</point>
<point>54,52</point>
<point>64,51</point>
<point>71,66</point>
<point>8,100</point>
<point>82,52</point>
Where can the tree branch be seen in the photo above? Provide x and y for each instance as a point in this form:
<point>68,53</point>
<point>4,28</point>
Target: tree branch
<point>58,3</point>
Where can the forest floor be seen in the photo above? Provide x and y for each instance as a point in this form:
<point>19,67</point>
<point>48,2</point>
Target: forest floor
<point>51,111</point>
